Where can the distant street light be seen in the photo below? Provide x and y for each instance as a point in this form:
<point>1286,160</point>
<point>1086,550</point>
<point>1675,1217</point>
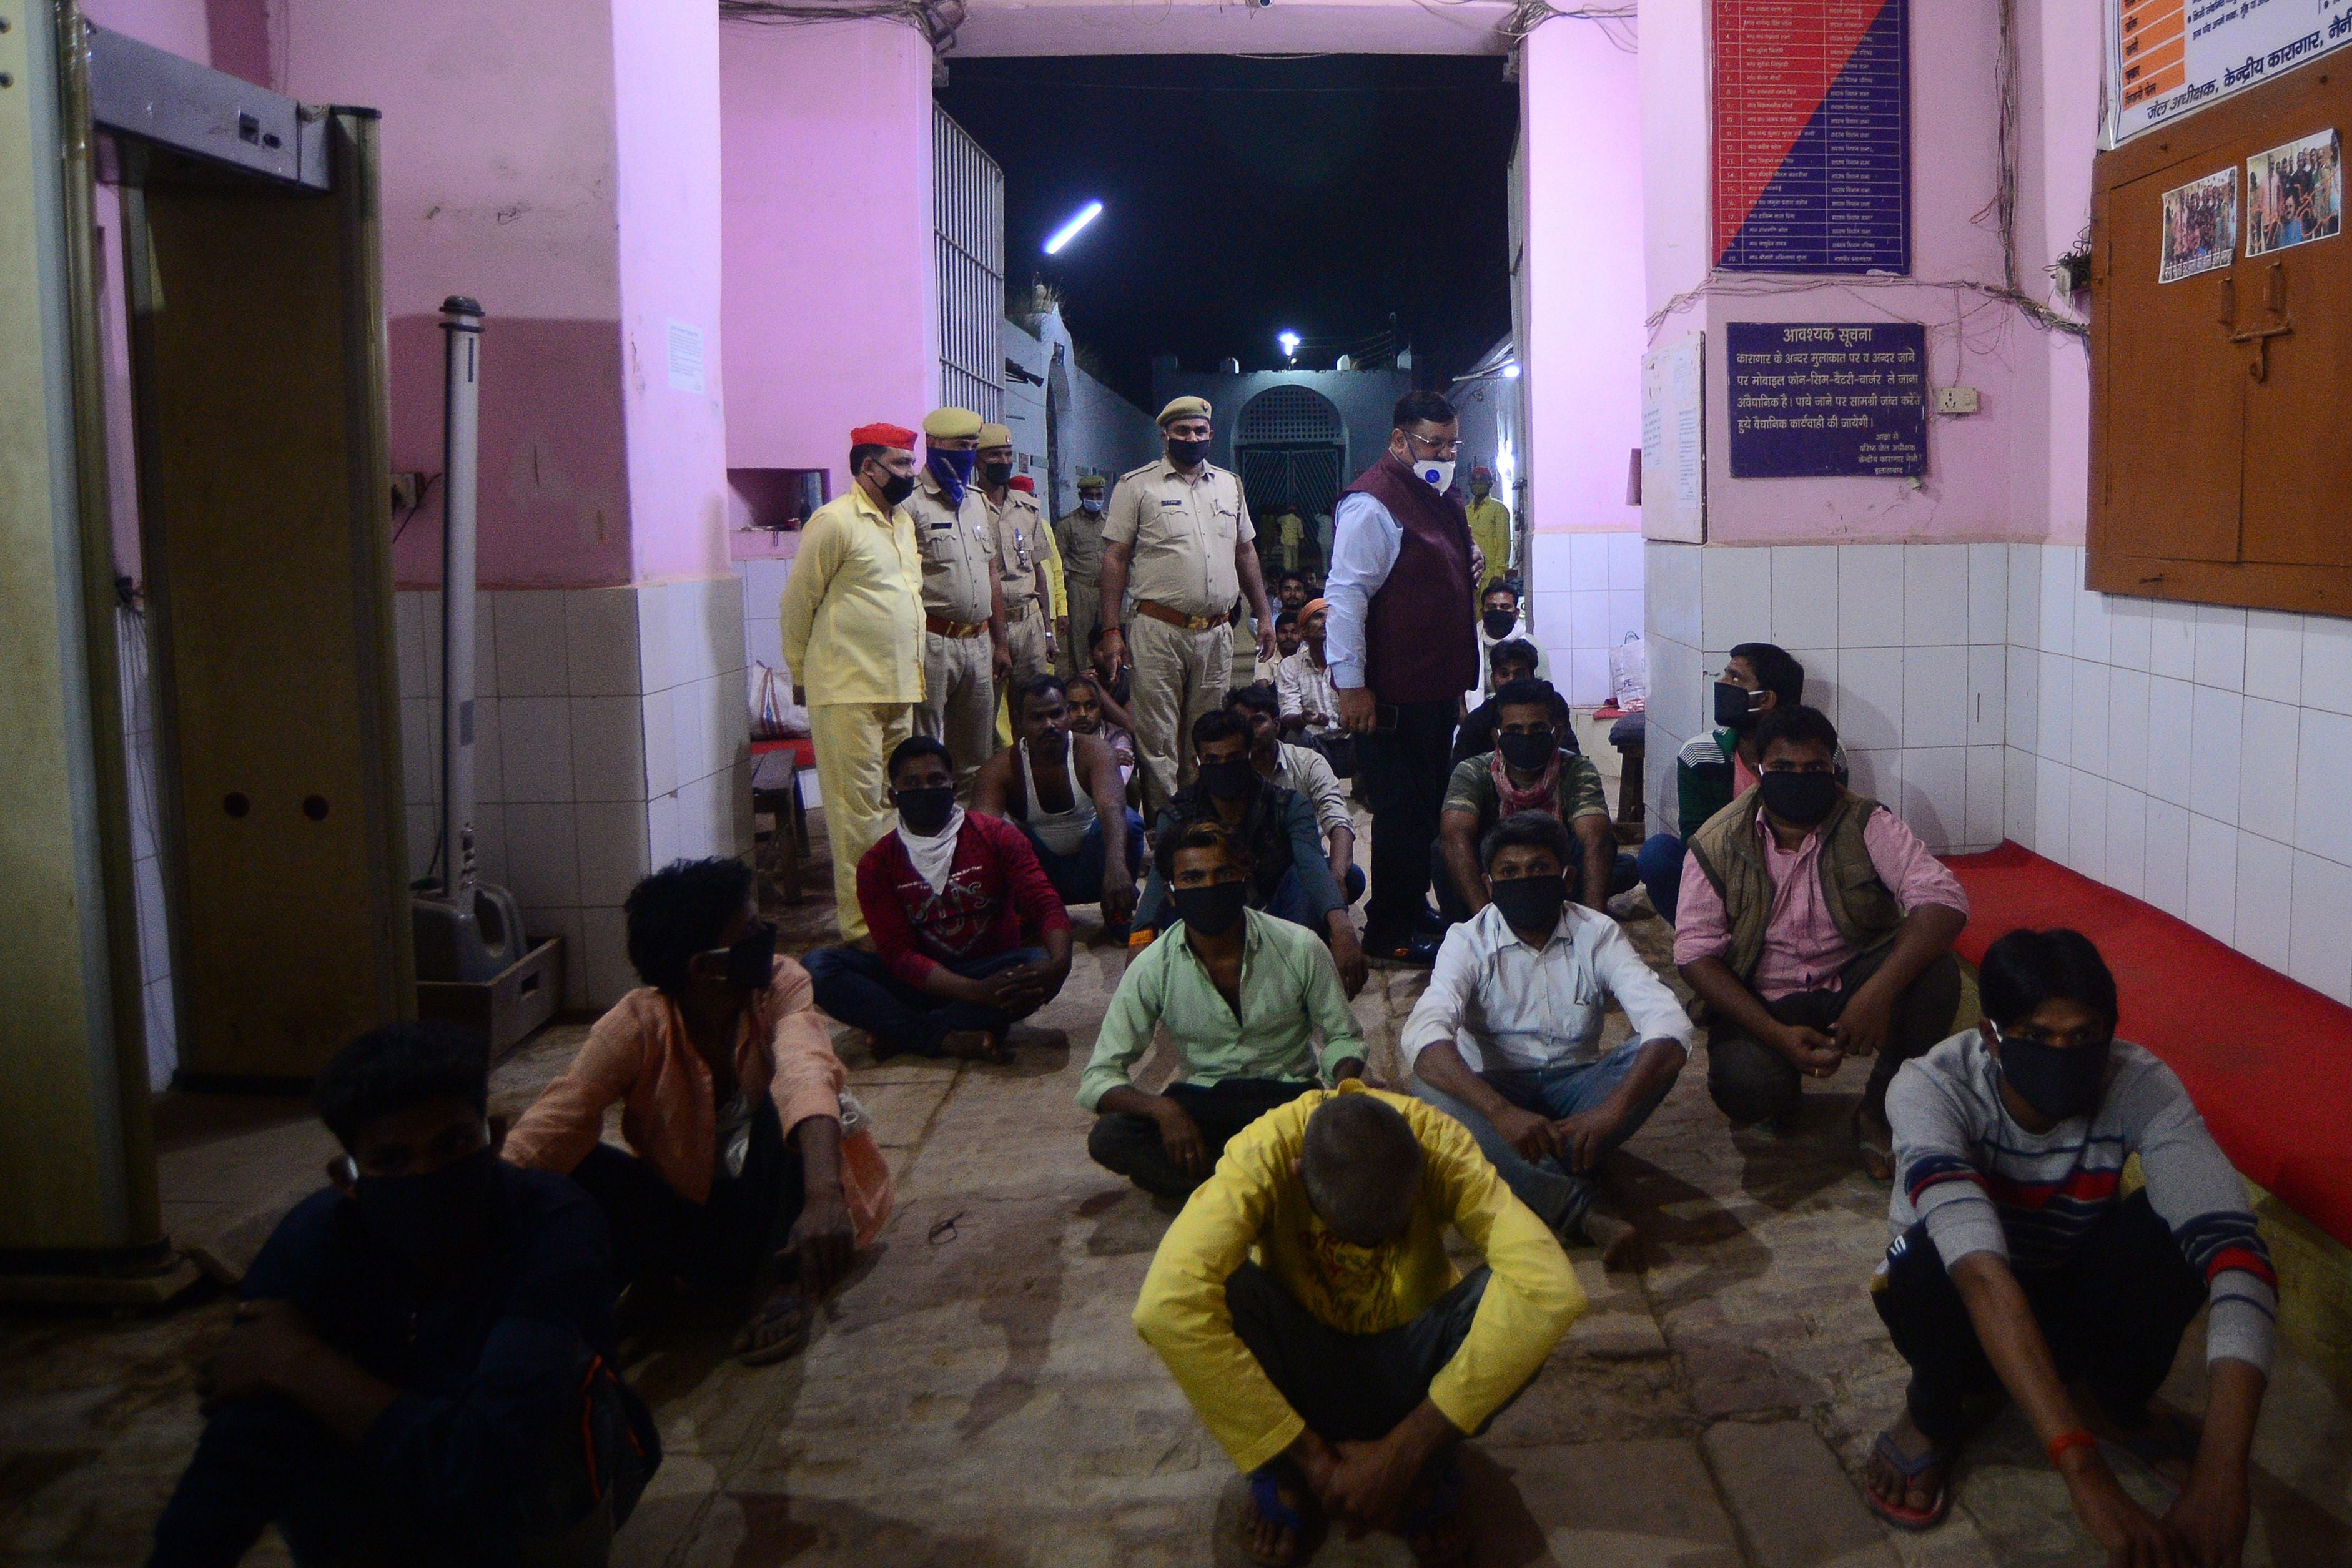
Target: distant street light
<point>1069,231</point>
<point>1289,342</point>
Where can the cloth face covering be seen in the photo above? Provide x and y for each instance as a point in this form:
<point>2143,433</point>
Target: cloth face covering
<point>1498,624</point>
<point>426,1218</point>
<point>952,470</point>
<point>1211,910</point>
<point>1228,780</point>
<point>1530,902</point>
<point>1184,453</point>
<point>2058,1081</point>
<point>1529,753</point>
<point>895,487</point>
<point>926,812</point>
<point>994,475</point>
<point>1732,705</point>
<point>1802,799</point>
<point>1090,504</point>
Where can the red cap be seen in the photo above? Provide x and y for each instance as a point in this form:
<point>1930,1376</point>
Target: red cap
<point>897,435</point>
<point>1023,483</point>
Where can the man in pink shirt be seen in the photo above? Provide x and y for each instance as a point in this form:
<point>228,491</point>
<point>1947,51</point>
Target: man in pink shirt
<point>1816,926</point>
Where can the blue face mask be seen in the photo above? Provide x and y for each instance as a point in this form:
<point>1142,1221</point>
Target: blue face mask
<point>952,470</point>
<point>1090,504</point>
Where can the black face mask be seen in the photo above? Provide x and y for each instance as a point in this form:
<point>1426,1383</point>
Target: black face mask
<point>1498,622</point>
<point>895,487</point>
<point>994,475</point>
<point>925,811</point>
<point>1529,753</point>
<point>1184,453</point>
<point>1229,780</point>
<point>2058,1082</point>
<point>1799,798</point>
<point>1530,902</point>
<point>751,963</point>
<point>428,1217</point>
<point>1731,705</point>
<point>1211,909</point>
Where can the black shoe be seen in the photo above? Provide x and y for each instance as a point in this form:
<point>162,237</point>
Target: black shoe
<point>1429,921</point>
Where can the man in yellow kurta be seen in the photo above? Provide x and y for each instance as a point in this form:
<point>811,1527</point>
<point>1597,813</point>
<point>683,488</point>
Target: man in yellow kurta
<point>853,635</point>
<point>1490,525</point>
<point>1304,1303</point>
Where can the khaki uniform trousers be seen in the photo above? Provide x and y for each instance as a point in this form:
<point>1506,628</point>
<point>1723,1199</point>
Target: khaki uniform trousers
<point>1085,595</point>
<point>1025,638</point>
<point>959,705</point>
<point>853,743</point>
<point>1178,676</point>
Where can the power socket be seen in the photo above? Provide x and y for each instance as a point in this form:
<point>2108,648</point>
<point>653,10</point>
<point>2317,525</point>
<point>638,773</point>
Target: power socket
<point>1956,400</point>
<point>407,490</point>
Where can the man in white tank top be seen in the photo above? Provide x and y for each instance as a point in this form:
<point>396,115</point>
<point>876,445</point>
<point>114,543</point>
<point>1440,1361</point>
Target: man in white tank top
<point>1065,791</point>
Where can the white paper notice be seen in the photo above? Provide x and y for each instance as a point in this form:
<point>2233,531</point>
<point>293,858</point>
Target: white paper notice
<point>686,358</point>
<point>1674,450</point>
<point>2166,58</point>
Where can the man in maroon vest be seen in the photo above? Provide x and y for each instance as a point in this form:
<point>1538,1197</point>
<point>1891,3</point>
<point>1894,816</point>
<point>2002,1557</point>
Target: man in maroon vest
<point>1401,643</point>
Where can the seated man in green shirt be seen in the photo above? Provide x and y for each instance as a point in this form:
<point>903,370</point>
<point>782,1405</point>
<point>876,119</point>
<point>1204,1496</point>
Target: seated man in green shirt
<point>1527,771</point>
<point>1242,993</point>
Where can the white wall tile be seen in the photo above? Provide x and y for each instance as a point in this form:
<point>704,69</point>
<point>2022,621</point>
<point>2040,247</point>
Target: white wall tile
<point>2128,627</point>
<point>764,644</point>
<point>1627,562</point>
<point>2274,655</point>
<point>2172,640</point>
<point>657,661</point>
<point>409,641</point>
<point>1870,697</point>
<point>1988,696</point>
<point>764,579</point>
<point>420,749</point>
<point>2127,727</point>
<point>1820,679</point>
<point>2023,705</point>
<point>1674,591</point>
<point>2025,595</point>
<point>1625,612</point>
<point>614,851</point>
<point>1587,618</point>
<point>608,751</point>
<point>2055,727</point>
<point>2328,663</point>
<point>489,754</point>
<point>2052,806</point>
<point>2127,853</point>
<point>491,843</point>
<point>697,831</point>
<point>1935,802</point>
<point>2266,895</point>
<point>1588,676</point>
<point>2167,858</point>
<point>2087,750</point>
<point>1679,695</point>
<point>1870,596</point>
<point>423,836</point>
<point>530,642</point>
<point>1935,696</point>
<point>1805,596</point>
<point>661,832</point>
<point>2218,721</point>
<point>1988,594</point>
<point>2212,904</point>
<point>1877,774</point>
<point>2087,824</point>
<point>604,958</point>
<point>2319,950</point>
<point>2060,585</point>
<point>543,923</point>
<point>1935,594</point>
<point>2019,767</point>
<point>1735,596</point>
<point>2266,769</point>
<point>544,854</point>
<point>599,639</point>
<point>2171,738</point>
<point>1981,827</point>
<point>695,730</point>
<point>1588,563</point>
<point>2322,816</point>
<point>535,749</point>
<point>2222,646</point>
<point>485,645</point>
<point>428,608</point>
<point>739,801</point>
<point>2091,627</point>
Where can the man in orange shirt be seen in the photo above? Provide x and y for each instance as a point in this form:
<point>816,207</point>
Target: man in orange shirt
<point>748,1163</point>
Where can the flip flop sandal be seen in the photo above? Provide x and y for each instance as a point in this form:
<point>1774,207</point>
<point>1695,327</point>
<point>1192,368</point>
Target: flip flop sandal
<point>1265,1496</point>
<point>1444,1504</point>
<point>1910,1466</point>
<point>790,1343</point>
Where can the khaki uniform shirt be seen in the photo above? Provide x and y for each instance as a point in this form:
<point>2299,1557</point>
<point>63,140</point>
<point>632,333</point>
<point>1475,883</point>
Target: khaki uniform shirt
<point>958,550</point>
<point>1081,535</point>
<point>853,608</point>
<point>1184,531</point>
<point>1021,543</point>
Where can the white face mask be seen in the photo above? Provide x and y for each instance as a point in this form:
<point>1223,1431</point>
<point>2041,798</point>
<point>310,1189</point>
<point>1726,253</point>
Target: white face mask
<point>1438,476</point>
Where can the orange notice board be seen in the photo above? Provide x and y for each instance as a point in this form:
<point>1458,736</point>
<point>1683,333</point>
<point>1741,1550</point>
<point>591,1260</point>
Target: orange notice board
<point>2171,58</point>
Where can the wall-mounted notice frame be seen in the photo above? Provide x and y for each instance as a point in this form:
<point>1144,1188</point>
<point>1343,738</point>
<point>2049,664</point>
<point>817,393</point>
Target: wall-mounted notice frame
<point>2166,58</point>
<point>1815,400</point>
<point>1674,441</point>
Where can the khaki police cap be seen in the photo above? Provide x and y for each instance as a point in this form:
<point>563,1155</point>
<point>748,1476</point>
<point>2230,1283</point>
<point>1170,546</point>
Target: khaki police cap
<point>948,424</point>
<point>995,435</point>
<point>1184,408</point>
<point>1090,482</point>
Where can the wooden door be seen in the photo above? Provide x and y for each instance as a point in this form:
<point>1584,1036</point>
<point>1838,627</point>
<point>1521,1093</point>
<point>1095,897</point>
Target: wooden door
<point>2298,463</point>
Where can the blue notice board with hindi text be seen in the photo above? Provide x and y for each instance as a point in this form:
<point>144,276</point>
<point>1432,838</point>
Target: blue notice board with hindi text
<point>1812,400</point>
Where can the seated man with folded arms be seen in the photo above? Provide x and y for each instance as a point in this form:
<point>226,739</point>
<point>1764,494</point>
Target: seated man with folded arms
<point>722,1035</point>
<point>1243,996</point>
<point>1525,983</point>
<point>1064,792</point>
<point>1527,771</point>
<point>1289,877</point>
<point>421,1369</point>
<point>1304,1303</point>
<point>1814,926</point>
<point>1513,659</point>
<point>1303,771</point>
<point>2017,1264</point>
<point>969,936</point>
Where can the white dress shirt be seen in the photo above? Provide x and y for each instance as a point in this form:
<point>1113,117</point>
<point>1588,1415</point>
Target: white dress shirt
<point>1303,688</point>
<point>1365,542</point>
<point>1522,1009</point>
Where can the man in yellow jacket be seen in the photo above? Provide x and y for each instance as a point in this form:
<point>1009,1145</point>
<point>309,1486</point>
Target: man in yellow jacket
<point>1490,525</point>
<point>1304,1303</point>
<point>852,635</point>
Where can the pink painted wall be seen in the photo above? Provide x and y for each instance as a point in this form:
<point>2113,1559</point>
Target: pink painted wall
<point>826,167</point>
<point>2058,131</point>
<point>666,103</point>
<point>1580,101</point>
<point>181,27</point>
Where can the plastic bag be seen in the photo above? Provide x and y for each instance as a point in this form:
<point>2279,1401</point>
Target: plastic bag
<point>1629,674</point>
<point>774,714</point>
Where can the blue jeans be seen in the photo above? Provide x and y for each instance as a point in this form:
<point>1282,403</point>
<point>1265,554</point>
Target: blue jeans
<point>857,988</point>
<point>1559,1195</point>
<point>1078,876</point>
<point>1289,900</point>
<point>1662,873</point>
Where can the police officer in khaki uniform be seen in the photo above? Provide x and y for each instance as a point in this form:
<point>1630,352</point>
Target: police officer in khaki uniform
<point>1080,536</point>
<point>1178,532</point>
<point>1020,535</point>
<point>964,654</point>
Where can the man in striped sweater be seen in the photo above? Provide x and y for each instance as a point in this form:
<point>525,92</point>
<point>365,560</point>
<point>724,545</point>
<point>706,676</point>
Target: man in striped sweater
<point>2017,1263</point>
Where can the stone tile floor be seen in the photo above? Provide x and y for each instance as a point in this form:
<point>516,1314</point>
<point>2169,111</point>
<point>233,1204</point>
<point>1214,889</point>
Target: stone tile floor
<point>978,1398</point>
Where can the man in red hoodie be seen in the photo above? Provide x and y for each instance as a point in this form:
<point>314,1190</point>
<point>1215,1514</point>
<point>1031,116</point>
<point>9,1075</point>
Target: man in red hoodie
<point>968,935</point>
